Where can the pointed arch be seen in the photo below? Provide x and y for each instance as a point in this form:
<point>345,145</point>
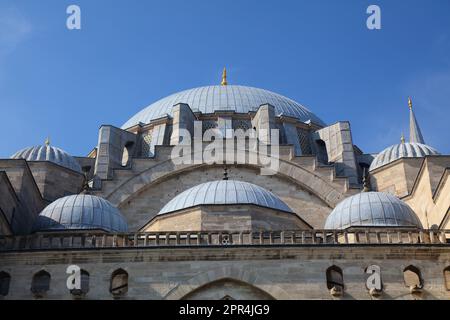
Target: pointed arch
<point>162,171</point>
<point>227,289</point>
<point>238,275</point>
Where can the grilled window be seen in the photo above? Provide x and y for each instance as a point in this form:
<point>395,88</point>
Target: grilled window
<point>119,282</point>
<point>5,279</point>
<point>40,283</point>
<point>335,278</point>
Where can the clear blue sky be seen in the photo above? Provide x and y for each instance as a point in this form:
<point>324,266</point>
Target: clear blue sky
<point>128,54</point>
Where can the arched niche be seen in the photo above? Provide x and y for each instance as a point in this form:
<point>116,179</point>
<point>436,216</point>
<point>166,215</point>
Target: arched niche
<point>227,289</point>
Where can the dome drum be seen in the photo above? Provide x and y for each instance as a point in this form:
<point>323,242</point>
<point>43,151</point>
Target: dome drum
<point>230,218</point>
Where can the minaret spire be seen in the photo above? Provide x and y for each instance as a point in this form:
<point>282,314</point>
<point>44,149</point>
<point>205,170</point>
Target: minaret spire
<point>415,135</point>
<point>224,77</point>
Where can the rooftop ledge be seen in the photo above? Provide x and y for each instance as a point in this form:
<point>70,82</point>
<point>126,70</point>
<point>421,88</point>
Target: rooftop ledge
<point>88,240</point>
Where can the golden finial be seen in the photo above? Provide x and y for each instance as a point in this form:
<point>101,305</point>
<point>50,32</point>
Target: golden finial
<point>410,103</point>
<point>224,77</point>
<point>402,139</point>
<point>47,141</point>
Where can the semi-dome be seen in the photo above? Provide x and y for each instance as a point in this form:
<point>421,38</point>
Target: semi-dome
<point>372,209</point>
<point>226,192</point>
<point>402,150</point>
<point>240,99</point>
<point>81,212</point>
<point>48,153</point>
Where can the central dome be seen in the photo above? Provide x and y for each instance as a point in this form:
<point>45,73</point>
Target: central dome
<point>239,99</point>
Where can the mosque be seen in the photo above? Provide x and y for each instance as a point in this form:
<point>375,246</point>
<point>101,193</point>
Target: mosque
<point>331,222</point>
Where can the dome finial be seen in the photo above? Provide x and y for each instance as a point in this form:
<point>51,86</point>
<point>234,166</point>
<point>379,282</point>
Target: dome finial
<point>47,141</point>
<point>225,173</point>
<point>402,139</point>
<point>224,77</point>
<point>410,103</point>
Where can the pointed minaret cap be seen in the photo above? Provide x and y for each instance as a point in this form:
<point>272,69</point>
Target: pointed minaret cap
<point>415,135</point>
<point>224,77</point>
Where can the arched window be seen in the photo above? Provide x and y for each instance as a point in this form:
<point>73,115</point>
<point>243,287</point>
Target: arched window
<point>5,279</point>
<point>126,154</point>
<point>335,280</point>
<point>119,282</point>
<point>84,284</point>
<point>322,154</point>
<point>334,277</point>
<point>413,278</point>
<point>447,278</point>
<point>40,283</point>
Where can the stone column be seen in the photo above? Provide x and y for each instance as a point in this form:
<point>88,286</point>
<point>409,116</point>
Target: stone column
<point>339,145</point>
<point>111,144</point>
<point>183,118</point>
<point>264,121</point>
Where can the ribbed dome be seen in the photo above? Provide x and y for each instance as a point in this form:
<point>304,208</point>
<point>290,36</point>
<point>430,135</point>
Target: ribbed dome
<point>229,98</point>
<point>372,209</point>
<point>81,212</point>
<point>48,153</point>
<point>402,150</point>
<point>225,192</point>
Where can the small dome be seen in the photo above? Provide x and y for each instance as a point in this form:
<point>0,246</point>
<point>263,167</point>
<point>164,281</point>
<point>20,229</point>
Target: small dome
<point>81,212</point>
<point>48,153</point>
<point>372,209</point>
<point>402,150</point>
<point>240,99</point>
<point>225,192</point>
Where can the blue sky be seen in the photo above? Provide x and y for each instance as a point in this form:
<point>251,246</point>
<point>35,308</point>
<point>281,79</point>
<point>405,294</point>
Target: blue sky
<point>65,84</point>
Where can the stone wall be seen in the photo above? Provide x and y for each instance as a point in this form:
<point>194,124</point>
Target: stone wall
<point>55,181</point>
<point>30,202</point>
<point>398,177</point>
<point>279,272</point>
<point>430,197</point>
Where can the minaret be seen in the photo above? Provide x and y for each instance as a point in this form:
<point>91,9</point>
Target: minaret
<point>224,77</point>
<point>415,135</point>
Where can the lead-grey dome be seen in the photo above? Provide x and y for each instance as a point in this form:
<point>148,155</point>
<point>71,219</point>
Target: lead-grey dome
<point>402,150</point>
<point>48,153</point>
<point>372,209</point>
<point>81,212</point>
<point>209,99</point>
<point>225,192</point>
